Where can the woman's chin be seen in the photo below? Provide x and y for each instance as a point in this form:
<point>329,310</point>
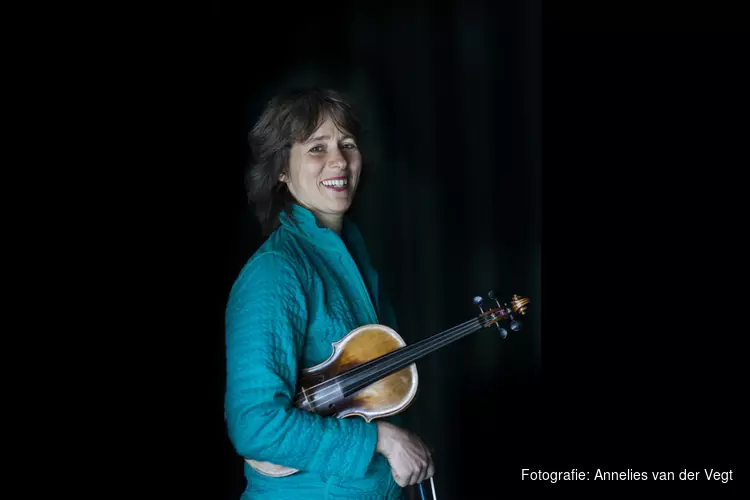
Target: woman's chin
<point>342,207</point>
<point>339,202</point>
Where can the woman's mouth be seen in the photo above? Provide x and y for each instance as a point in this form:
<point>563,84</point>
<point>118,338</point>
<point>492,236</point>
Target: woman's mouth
<point>338,184</point>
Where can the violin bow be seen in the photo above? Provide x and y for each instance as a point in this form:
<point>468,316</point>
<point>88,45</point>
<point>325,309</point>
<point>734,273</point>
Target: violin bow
<point>420,487</point>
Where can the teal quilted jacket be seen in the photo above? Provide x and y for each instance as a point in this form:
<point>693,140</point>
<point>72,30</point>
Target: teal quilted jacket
<point>305,288</point>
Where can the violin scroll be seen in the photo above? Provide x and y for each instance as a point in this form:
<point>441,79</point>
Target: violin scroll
<point>519,304</point>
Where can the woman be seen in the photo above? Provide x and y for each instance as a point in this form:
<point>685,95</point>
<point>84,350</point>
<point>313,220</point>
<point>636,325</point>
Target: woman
<point>307,286</point>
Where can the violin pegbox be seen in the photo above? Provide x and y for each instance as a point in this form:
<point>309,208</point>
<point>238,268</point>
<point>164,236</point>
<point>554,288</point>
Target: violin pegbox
<point>503,312</point>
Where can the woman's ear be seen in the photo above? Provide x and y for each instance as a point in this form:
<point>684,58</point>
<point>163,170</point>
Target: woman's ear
<point>283,178</point>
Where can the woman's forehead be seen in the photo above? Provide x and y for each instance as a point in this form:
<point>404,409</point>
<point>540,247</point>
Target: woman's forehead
<point>328,128</point>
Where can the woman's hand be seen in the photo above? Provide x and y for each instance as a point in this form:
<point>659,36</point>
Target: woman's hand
<point>410,459</point>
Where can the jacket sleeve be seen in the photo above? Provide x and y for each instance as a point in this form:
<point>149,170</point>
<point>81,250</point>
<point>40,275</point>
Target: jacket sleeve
<point>266,321</point>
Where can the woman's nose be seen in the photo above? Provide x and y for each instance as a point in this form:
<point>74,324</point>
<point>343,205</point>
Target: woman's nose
<point>338,159</point>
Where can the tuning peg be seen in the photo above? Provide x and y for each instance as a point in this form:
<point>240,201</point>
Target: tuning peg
<point>478,302</point>
<point>503,332</point>
<point>515,325</point>
<point>492,296</point>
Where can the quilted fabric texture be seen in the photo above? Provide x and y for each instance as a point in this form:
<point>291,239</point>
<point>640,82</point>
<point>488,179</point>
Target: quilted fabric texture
<point>305,288</point>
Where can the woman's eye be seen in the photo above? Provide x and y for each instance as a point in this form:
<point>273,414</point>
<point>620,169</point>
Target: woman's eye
<point>349,145</point>
<point>316,149</point>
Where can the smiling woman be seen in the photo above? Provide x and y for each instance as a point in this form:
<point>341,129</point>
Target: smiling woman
<point>306,153</point>
<point>324,172</point>
<point>304,289</point>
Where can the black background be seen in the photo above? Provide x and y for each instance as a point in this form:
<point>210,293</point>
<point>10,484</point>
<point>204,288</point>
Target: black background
<point>451,97</point>
<point>628,358</point>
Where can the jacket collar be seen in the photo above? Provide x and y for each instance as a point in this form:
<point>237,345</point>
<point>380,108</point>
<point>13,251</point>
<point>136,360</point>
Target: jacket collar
<point>304,223</point>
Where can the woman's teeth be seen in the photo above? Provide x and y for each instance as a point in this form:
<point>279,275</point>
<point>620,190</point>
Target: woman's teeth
<point>336,183</point>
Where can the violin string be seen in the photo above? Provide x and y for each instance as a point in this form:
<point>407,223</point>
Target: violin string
<point>335,380</point>
<point>435,342</point>
<point>413,355</point>
<point>328,396</point>
<point>406,358</point>
<point>398,353</point>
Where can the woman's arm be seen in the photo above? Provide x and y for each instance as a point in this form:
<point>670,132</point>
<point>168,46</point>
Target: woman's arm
<point>266,322</point>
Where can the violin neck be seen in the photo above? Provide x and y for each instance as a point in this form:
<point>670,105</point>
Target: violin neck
<point>376,369</point>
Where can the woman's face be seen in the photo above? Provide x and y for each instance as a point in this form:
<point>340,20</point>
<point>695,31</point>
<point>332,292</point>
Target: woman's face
<point>324,170</point>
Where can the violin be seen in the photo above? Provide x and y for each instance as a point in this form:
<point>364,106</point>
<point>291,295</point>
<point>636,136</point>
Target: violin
<point>371,372</point>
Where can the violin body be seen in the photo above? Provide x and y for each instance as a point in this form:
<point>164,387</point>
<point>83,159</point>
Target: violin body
<point>387,396</point>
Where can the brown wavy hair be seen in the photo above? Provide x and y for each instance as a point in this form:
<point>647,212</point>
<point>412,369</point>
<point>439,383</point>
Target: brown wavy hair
<point>288,118</point>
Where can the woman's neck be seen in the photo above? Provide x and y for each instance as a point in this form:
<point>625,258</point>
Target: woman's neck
<point>331,221</point>
<point>334,222</point>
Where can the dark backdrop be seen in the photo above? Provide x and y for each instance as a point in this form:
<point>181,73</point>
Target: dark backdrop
<point>643,228</point>
<point>450,94</point>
